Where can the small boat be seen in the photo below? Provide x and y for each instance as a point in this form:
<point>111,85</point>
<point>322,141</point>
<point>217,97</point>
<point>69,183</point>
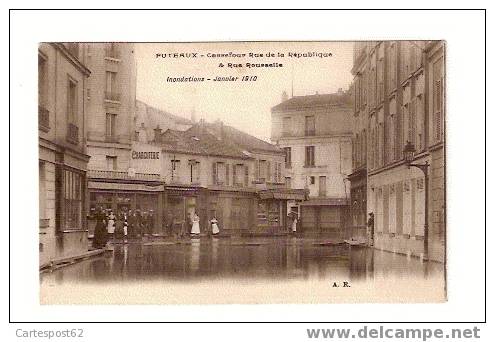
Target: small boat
<point>329,243</point>
<point>355,242</point>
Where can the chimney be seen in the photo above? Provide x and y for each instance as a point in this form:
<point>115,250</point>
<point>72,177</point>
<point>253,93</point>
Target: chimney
<point>285,97</point>
<point>219,131</point>
<point>158,133</point>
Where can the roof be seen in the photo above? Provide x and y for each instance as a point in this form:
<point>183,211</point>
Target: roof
<point>197,140</point>
<point>243,140</point>
<point>175,118</point>
<point>311,101</point>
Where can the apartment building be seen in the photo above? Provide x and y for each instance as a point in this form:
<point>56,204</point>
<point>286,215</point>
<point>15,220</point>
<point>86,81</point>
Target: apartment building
<point>63,160</point>
<point>399,102</point>
<point>315,132</point>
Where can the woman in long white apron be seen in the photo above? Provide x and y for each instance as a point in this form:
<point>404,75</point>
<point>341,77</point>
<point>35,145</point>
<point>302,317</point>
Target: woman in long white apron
<point>111,224</point>
<point>294,224</point>
<point>195,226</point>
<point>214,226</point>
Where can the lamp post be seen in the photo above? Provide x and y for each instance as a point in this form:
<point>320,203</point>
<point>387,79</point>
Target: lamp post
<point>409,151</point>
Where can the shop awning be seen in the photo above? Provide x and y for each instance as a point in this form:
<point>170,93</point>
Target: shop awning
<point>284,194</point>
<point>326,202</point>
<point>124,186</point>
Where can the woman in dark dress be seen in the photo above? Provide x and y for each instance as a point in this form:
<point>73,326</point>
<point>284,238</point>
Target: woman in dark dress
<point>100,236</point>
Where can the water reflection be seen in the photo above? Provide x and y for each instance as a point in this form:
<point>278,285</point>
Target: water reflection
<point>285,258</point>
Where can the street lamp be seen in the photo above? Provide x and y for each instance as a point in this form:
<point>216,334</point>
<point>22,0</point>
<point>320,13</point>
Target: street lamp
<point>409,151</point>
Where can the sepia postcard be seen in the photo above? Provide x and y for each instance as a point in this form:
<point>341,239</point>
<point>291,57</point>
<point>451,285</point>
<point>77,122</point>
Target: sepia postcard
<point>242,172</point>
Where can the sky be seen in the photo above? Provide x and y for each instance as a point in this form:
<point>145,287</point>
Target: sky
<point>242,104</point>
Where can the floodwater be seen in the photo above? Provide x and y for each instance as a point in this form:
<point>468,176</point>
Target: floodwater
<point>248,263</point>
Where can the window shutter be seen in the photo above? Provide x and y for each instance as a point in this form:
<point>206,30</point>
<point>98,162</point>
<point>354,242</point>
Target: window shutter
<point>246,175</point>
<point>438,126</point>
<point>215,181</point>
<point>257,169</point>
<point>227,167</point>
<point>234,174</point>
<point>268,171</point>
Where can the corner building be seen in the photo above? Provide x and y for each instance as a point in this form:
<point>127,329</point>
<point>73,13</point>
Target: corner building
<point>63,162</point>
<point>398,95</point>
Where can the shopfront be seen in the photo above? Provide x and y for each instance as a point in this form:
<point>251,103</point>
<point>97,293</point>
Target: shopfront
<point>123,195</point>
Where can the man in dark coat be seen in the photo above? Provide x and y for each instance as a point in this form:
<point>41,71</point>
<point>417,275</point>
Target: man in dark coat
<point>100,237</point>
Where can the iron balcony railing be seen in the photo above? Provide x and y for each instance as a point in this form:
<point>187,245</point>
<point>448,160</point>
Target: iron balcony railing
<point>43,119</point>
<point>123,175</point>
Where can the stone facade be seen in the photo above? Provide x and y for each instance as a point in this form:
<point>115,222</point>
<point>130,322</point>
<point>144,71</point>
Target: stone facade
<point>398,98</point>
<point>63,160</point>
<point>315,132</point>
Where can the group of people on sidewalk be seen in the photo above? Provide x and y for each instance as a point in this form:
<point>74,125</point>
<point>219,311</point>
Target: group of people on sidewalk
<point>137,224</point>
<point>124,225</point>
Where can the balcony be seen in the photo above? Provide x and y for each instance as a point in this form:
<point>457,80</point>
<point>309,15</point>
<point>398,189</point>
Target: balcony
<point>123,175</point>
<point>112,96</point>
<point>43,119</point>
<point>72,133</point>
<point>111,138</point>
<point>310,132</point>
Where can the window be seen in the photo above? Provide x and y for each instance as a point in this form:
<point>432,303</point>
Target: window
<point>111,86</point>
<point>288,157</point>
<point>288,182</point>
<point>110,125</point>
<point>438,100</point>
<point>262,170</point>
<point>380,79</point>
<point>286,129</point>
<point>111,50</point>
<point>194,171</point>
<point>312,180</point>
<point>241,173</point>
<point>322,189</point>
<point>42,190</point>
<point>310,156</point>
<point>392,75</point>
<point>71,101</point>
<point>310,125</point>
<point>220,173</point>
<point>111,162</point>
<point>42,81</point>
<point>70,186</point>
<point>278,172</point>
<point>174,169</point>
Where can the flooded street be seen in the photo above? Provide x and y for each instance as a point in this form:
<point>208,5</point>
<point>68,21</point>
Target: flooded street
<point>278,262</point>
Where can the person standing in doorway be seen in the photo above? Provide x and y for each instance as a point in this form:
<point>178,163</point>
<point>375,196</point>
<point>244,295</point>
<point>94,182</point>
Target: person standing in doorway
<point>195,225</point>
<point>294,224</point>
<point>100,235</point>
<point>371,229</point>
<point>214,226</point>
<point>111,225</point>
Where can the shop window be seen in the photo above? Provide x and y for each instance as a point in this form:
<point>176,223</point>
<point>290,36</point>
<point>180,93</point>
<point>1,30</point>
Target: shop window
<point>71,188</point>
